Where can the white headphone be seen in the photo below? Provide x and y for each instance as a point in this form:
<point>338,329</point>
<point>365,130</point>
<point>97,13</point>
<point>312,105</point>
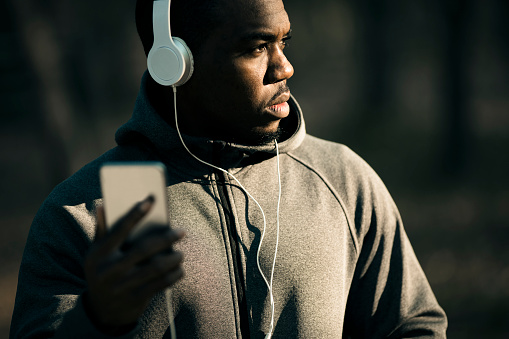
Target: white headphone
<point>169,62</point>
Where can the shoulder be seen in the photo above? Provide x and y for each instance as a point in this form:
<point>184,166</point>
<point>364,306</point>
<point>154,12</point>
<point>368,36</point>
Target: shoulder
<point>70,207</point>
<point>335,161</point>
<point>360,190</point>
<point>84,186</point>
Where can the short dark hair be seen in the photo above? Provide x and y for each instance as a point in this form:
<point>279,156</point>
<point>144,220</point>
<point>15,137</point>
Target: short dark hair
<point>191,20</point>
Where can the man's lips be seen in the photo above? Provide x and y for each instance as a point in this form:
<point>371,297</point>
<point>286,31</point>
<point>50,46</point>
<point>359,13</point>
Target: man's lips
<point>280,111</point>
<point>281,99</point>
<point>280,107</point>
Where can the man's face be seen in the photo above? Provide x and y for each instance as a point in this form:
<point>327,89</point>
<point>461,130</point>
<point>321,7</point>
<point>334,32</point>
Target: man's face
<point>238,90</point>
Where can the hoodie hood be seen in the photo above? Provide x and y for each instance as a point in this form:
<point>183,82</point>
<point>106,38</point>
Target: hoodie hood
<point>146,122</point>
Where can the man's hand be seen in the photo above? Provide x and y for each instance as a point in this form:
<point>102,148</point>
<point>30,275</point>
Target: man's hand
<point>122,283</point>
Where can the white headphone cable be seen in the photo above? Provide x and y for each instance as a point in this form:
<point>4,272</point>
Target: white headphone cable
<point>269,285</point>
<point>269,335</point>
<point>171,318</point>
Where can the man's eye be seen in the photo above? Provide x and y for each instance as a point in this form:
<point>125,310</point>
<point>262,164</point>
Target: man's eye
<point>260,48</point>
<point>285,42</point>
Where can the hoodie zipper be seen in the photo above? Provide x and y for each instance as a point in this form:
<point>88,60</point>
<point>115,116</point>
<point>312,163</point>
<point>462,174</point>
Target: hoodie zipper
<point>235,254</point>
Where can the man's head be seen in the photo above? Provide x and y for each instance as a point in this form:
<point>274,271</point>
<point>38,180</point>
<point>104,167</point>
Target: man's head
<point>238,88</point>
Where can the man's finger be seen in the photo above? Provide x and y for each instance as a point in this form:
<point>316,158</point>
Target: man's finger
<point>158,285</point>
<point>147,248</point>
<point>123,227</point>
<point>100,229</point>
<point>153,270</point>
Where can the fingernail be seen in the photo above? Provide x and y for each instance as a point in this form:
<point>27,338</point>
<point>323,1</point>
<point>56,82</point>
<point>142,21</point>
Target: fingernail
<point>147,203</point>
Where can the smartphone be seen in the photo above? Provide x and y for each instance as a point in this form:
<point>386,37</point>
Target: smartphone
<point>124,184</point>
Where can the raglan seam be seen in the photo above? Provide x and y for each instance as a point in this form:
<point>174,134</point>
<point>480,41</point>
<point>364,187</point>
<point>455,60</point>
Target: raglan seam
<point>336,195</point>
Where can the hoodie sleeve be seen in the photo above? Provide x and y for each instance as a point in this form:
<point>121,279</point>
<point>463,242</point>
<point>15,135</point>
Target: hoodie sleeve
<point>51,279</point>
<point>390,296</point>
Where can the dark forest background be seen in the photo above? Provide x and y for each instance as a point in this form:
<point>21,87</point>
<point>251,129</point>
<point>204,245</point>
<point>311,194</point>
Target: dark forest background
<point>418,88</point>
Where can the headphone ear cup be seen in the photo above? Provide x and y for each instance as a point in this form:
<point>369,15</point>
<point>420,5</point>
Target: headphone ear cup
<point>170,64</point>
<point>188,61</point>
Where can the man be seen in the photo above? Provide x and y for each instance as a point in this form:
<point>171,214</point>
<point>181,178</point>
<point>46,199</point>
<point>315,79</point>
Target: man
<point>344,266</point>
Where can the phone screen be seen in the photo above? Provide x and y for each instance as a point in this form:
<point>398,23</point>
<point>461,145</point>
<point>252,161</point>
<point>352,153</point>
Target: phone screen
<point>124,184</point>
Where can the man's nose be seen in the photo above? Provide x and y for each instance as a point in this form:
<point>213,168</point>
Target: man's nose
<point>279,67</point>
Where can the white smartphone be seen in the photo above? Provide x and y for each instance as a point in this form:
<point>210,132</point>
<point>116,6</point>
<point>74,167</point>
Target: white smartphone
<point>124,184</point>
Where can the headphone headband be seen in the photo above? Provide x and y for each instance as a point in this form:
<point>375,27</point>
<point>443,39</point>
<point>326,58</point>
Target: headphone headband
<point>161,14</point>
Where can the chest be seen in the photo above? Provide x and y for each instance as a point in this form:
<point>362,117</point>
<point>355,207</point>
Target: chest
<point>314,261</point>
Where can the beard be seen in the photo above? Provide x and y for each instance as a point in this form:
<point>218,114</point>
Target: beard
<point>269,137</point>
<point>261,138</point>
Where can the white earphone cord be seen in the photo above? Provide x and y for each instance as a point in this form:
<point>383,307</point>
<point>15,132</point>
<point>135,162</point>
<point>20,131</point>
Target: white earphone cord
<point>269,285</point>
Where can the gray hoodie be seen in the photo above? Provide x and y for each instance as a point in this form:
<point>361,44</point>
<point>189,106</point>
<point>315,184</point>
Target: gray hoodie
<point>344,268</point>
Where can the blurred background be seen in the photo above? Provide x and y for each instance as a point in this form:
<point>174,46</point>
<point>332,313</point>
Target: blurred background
<point>418,88</point>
